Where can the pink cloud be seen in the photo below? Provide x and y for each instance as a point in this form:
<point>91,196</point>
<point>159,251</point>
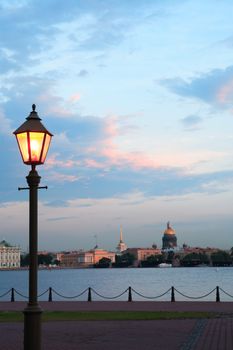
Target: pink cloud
<point>137,160</point>
<point>111,127</point>
<point>107,152</point>
<point>225,93</point>
<point>74,98</point>
<point>114,156</point>
<point>92,163</point>
<point>53,161</point>
<point>112,153</point>
<point>55,176</point>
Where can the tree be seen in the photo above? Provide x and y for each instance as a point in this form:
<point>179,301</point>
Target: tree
<point>153,260</point>
<point>104,263</point>
<point>45,259</point>
<point>194,259</point>
<point>24,260</point>
<point>124,260</point>
<point>57,262</point>
<point>221,258</point>
<point>170,257</point>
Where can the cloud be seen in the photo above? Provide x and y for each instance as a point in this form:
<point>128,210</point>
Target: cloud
<point>225,93</point>
<point>62,218</point>
<point>74,98</point>
<point>6,128</point>
<point>91,156</point>
<point>87,158</point>
<point>12,5</point>
<point>83,73</point>
<point>59,177</point>
<point>133,210</point>
<point>122,173</point>
<point>92,163</point>
<point>215,87</point>
<point>57,203</point>
<point>137,160</point>
<point>55,160</point>
<point>191,122</point>
<point>73,27</point>
<point>228,42</point>
<point>27,89</point>
<point>92,142</point>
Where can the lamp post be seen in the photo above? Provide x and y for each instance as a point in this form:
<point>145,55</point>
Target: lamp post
<point>33,141</point>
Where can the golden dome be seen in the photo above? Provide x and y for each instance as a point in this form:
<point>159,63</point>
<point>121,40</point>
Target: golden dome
<point>169,230</point>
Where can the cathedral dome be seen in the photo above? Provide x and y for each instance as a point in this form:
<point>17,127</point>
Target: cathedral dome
<point>169,230</point>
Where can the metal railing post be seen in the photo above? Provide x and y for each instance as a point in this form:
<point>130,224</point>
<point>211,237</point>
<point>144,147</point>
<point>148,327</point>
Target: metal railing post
<point>173,294</point>
<point>130,294</point>
<point>50,295</point>
<point>89,294</point>
<point>217,294</point>
<point>12,295</point>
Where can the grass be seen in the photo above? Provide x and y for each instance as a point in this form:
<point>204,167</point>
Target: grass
<point>14,316</point>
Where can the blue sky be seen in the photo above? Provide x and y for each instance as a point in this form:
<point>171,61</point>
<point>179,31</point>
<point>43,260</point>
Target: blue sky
<point>138,95</point>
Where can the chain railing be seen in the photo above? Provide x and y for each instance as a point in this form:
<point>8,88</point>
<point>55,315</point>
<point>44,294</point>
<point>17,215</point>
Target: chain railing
<point>229,295</point>
<point>13,291</point>
<point>150,297</point>
<point>195,297</point>
<point>108,297</point>
<point>66,297</point>
<point>90,292</point>
<point>8,292</point>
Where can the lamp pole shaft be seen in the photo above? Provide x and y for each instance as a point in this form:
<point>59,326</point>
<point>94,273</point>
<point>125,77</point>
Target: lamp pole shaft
<point>32,313</point>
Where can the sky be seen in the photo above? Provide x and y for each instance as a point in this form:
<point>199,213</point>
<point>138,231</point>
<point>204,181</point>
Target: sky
<point>138,95</point>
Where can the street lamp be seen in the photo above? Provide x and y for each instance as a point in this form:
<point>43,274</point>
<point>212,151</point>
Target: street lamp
<point>33,141</point>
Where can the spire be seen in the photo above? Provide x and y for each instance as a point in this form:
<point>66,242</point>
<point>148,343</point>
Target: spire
<point>121,235</point>
<point>121,245</point>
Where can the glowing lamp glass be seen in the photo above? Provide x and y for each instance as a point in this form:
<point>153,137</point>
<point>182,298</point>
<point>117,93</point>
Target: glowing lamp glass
<point>33,146</point>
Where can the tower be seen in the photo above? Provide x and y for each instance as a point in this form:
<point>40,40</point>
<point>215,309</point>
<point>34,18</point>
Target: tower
<point>121,245</point>
<point>169,238</point>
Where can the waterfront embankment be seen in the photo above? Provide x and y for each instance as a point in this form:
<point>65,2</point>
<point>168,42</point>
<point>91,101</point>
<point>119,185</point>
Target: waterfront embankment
<point>174,334</point>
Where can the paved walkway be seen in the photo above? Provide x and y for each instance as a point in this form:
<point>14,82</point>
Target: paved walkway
<point>198,334</point>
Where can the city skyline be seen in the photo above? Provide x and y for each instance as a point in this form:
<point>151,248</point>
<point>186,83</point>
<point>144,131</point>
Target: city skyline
<point>138,95</point>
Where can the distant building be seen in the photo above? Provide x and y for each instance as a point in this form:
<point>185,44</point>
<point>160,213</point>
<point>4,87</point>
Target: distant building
<point>43,252</point>
<point>98,254</point>
<point>59,255</point>
<point>121,245</point>
<point>198,250</point>
<point>69,259</point>
<point>169,238</point>
<point>195,253</point>
<point>141,254</point>
<point>9,255</point>
<point>85,258</point>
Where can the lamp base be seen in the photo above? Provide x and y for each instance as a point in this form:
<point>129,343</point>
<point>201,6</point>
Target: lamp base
<point>32,327</point>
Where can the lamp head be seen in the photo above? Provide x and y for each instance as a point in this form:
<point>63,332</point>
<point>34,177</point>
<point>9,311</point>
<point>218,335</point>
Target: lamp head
<point>33,139</point>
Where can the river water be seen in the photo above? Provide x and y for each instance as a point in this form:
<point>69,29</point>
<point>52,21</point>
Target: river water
<point>149,282</point>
